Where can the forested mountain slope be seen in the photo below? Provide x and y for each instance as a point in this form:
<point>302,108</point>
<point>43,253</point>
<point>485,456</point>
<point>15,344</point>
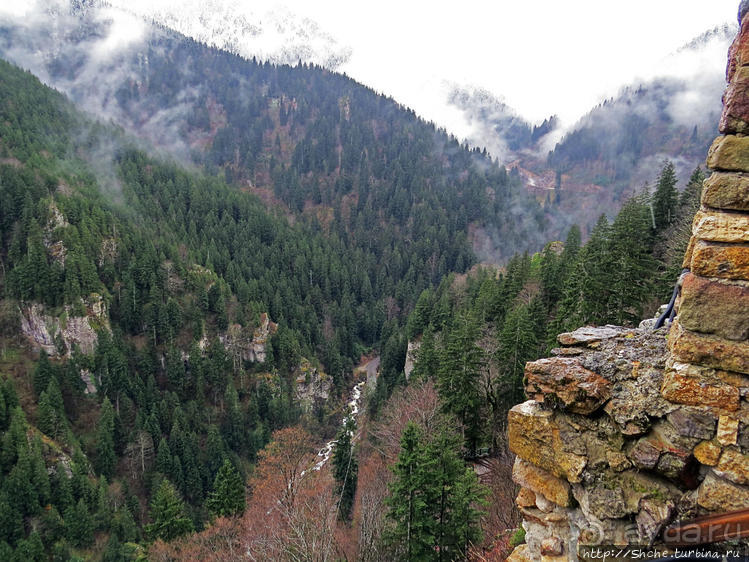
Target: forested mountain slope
<point>315,141</point>
<point>147,287</point>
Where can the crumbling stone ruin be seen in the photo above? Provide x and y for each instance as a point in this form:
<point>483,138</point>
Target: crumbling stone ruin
<point>628,430</point>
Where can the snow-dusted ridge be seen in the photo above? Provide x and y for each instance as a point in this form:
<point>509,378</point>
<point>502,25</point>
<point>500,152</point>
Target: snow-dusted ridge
<point>277,36</point>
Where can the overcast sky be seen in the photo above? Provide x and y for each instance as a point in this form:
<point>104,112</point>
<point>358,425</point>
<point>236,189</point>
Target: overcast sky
<point>541,57</point>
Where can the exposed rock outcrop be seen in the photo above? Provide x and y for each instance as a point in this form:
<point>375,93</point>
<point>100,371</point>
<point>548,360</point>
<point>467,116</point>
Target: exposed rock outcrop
<point>312,385</point>
<point>57,335</point>
<point>253,349</point>
<point>413,348</point>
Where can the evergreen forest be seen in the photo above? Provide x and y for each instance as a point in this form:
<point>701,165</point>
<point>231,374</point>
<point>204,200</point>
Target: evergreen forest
<point>181,330</point>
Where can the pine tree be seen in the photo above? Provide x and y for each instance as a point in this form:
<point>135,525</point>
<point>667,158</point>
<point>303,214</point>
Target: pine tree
<point>633,266</point>
<point>51,413</point>
<point>407,504</point>
<point>106,459</point>
<point>345,469</point>
<point>458,377</point>
<point>426,362</point>
<point>168,514</point>
<point>164,458</point>
<point>665,198</point>
<point>43,372</point>
<point>30,550</point>
<point>228,496</point>
<point>468,497</point>
<point>517,345</point>
<point>79,525</point>
<point>435,500</point>
<point>586,295</point>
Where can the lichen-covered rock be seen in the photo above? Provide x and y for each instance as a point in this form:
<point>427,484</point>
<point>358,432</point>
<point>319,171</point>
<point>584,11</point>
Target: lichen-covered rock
<point>542,482</point>
<point>534,435</point>
<point>735,116</point>
<point>552,546</point>
<point>715,307</point>
<point>743,436</point>
<point>589,335</point>
<point>728,191</point>
<point>733,465</point>
<point>564,380</point>
<point>693,422</point>
<point>728,430</point>
<point>519,554</point>
<point>729,153</point>
<point>716,226</point>
<point>709,351</point>
<point>727,261</point>
<point>663,450</point>
<point>525,498</point>
<point>689,384</point>
<point>718,494</point>
<point>708,453</point>
<point>604,502</point>
<point>652,518</point>
<point>738,52</point>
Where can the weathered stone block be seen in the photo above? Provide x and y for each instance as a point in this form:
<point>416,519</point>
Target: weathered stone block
<point>691,422</point>
<point>735,116</point>
<point>714,307</point>
<point>651,519</point>
<point>542,482</point>
<point>534,436</point>
<point>738,52</point>
<point>728,430</point>
<point>698,386</point>
<point>663,450</point>
<point>718,494</point>
<point>734,466</point>
<point>688,254</point>
<point>520,554</point>
<point>708,452</point>
<point>717,226</point>
<point>526,498</point>
<point>565,380</point>
<point>726,191</point>
<point>618,461</point>
<point>700,349</point>
<point>743,437</point>
<point>590,334</point>
<point>729,153</point>
<point>645,454</point>
<point>552,546</point>
<point>727,261</point>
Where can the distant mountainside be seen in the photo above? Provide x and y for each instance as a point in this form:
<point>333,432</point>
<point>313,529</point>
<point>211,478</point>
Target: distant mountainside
<point>315,142</point>
<point>621,144</point>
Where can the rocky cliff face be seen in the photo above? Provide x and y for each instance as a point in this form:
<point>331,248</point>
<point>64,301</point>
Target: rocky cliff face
<point>252,349</point>
<point>627,431</point>
<point>312,385</point>
<point>57,335</point>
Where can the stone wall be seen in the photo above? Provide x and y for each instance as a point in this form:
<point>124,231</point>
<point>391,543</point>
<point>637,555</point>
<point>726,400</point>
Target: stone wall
<point>626,431</point>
